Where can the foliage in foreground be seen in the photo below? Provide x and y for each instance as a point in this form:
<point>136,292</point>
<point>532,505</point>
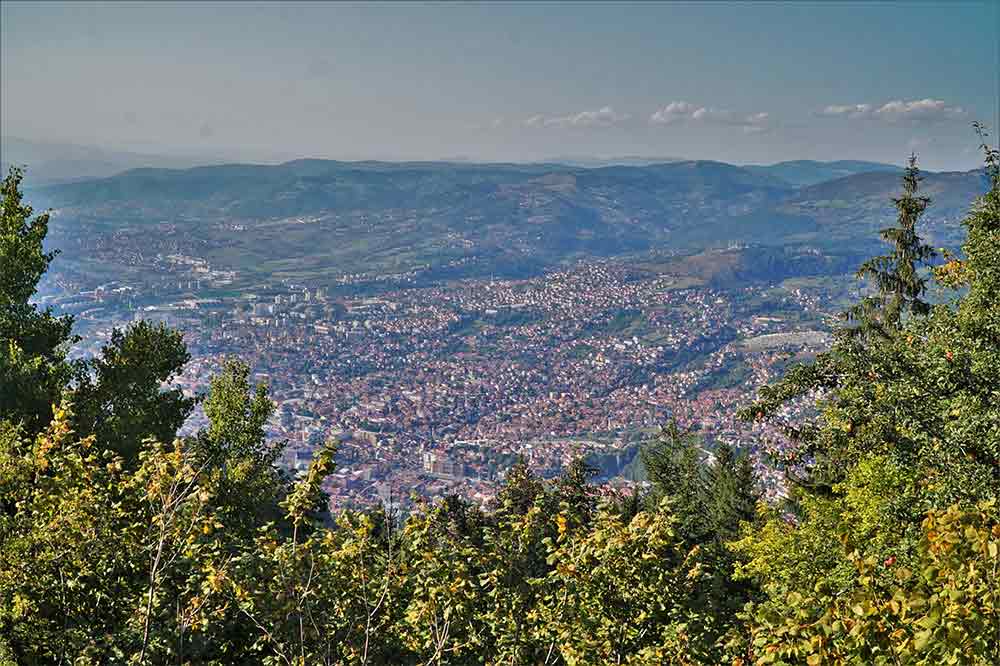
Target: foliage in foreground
<point>120,543</point>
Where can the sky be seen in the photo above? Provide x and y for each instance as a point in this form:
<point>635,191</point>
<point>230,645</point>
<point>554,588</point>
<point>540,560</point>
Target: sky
<point>750,82</point>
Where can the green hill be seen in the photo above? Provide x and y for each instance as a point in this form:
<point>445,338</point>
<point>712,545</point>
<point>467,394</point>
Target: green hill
<point>801,173</point>
<point>317,219</point>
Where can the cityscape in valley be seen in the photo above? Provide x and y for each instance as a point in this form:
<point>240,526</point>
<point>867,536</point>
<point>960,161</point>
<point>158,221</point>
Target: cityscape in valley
<point>500,333</point>
<point>436,374</point>
<point>439,389</point>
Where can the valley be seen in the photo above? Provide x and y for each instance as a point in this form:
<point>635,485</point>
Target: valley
<point>442,321</point>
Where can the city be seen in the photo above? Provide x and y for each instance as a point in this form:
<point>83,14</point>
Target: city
<point>432,390</point>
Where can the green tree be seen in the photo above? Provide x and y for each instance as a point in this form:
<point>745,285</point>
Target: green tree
<point>98,563</point>
<point>814,461</point>
<point>942,610</point>
<point>897,275</point>
<point>733,493</point>
<point>122,401</point>
<point>908,428</point>
<point>711,498</point>
<point>319,595</point>
<point>248,486</point>
<point>442,623</point>
<point>624,592</point>
<point>514,566</point>
<point>33,367</point>
<point>574,490</point>
<point>519,491</point>
<point>675,465</point>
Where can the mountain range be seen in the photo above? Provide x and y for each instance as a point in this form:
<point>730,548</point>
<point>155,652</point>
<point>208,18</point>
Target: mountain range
<point>51,162</point>
<point>802,173</point>
<point>312,220</point>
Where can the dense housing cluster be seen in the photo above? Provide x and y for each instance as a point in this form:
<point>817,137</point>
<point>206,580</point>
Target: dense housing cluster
<point>473,374</point>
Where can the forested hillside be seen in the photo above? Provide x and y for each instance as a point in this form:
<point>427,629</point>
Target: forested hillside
<point>121,543</point>
<point>314,221</point>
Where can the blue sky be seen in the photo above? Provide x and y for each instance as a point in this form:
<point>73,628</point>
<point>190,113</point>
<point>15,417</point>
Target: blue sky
<point>741,82</point>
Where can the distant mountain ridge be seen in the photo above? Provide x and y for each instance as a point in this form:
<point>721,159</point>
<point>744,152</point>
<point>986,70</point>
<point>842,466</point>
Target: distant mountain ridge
<point>801,173</point>
<point>54,162</point>
<point>596,162</point>
<point>313,219</point>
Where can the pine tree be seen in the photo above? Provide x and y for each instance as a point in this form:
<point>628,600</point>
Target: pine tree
<point>521,488</point>
<point>732,493</point>
<point>912,422</point>
<point>574,489</point>
<point>896,275</point>
<point>33,342</point>
<point>815,461</point>
<point>675,465</point>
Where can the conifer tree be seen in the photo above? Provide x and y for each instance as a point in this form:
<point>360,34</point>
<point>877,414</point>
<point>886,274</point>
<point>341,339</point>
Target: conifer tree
<point>896,275</point>
<point>815,461</point>
<point>33,342</point>
<point>912,423</point>
<point>574,489</point>
<point>521,488</point>
<point>675,465</point>
<point>733,496</point>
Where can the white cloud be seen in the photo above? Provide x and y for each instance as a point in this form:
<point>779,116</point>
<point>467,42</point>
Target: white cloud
<point>921,109</point>
<point>674,112</point>
<point>848,110</point>
<point>917,111</point>
<point>603,117</point>
<point>681,111</point>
